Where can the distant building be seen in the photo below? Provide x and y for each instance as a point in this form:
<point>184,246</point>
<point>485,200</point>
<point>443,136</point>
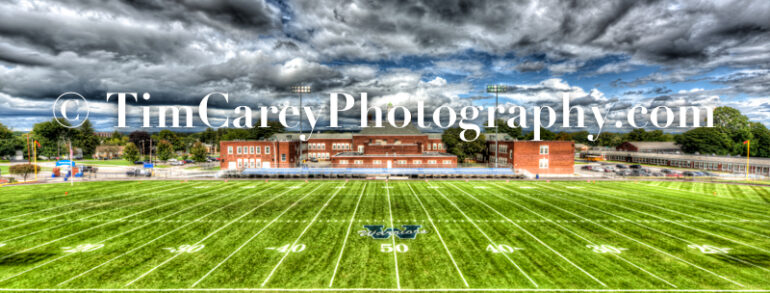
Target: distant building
<point>108,152</point>
<point>665,147</point>
<point>758,166</point>
<point>534,157</point>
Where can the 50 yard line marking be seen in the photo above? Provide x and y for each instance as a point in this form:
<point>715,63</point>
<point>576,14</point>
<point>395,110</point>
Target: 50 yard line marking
<point>300,236</point>
<point>167,233</point>
<point>532,235</point>
<point>430,219</point>
<point>347,234</point>
<point>252,238</point>
<point>207,237</point>
<point>395,253</point>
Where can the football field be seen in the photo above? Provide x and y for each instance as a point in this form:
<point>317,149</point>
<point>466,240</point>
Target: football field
<point>385,236</point>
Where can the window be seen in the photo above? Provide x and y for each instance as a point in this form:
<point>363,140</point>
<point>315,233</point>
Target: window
<point>258,151</point>
<point>358,162</point>
<point>251,150</point>
<point>283,157</point>
<point>544,150</point>
<point>239,150</point>
<point>432,162</point>
<point>543,163</point>
<point>447,162</point>
<point>417,162</point>
<point>377,162</point>
<point>344,162</point>
<point>229,150</point>
<point>435,147</point>
<point>267,149</point>
<point>402,162</point>
<point>251,162</point>
<point>240,163</point>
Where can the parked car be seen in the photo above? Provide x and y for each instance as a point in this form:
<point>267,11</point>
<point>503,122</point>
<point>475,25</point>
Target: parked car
<point>586,167</point>
<point>188,161</point>
<point>666,171</point>
<point>138,163</point>
<point>688,174</point>
<point>635,166</point>
<point>621,166</point>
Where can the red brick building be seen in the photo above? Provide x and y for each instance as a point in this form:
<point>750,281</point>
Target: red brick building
<point>259,154</point>
<point>535,157</point>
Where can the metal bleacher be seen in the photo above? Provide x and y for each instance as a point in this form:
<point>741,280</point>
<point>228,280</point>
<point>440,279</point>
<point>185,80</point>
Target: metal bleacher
<point>369,172</point>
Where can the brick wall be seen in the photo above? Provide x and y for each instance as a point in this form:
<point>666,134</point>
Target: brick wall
<point>561,156</point>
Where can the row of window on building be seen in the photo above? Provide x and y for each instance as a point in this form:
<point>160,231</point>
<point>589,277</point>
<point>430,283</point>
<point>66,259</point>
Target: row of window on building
<point>248,150</point>
<point>399,162</point>
<point>323,156</point>
<point>702,165</point>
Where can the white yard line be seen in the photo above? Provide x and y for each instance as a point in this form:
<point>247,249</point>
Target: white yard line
<point>576,234</point>
<point>393,237</point>
<point>637,241</point>
<point>169,232</point>
<point>82,201</point>
<point>98,226</point>
<point>347,234</point>
<point>430,219</point>
<point>288,251</point>
<point>744,208</point>
<point>207,237</point>
<point>375,290</point>
<point>488,238</point>
<point>252,237</point>
<point>531,235</point>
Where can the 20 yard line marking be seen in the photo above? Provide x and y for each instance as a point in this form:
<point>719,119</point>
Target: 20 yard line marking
<point>488,238</point>
<point>393,237</point>
<point>347,234</point>
<point>252,238</point>
<point>167,233</point>
<point>574,233</point>
<point>300,237</point>
<point>531,235</point>
<point>430,219</point>
<point>207,237</point>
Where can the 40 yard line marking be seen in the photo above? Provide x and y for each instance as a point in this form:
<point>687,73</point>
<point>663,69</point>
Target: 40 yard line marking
<point>252,238</point>
<point>207,237</point>
<point>300,236</point>
<point>576,234</point>
<point>100,242</point>
<point>347,234</point>
<point>531,235</point>
<point>167,233</point>
<point>632,239</point>
<point>430,219</point>
<point>488,238</point>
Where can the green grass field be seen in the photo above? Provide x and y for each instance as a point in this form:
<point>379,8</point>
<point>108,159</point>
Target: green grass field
<point>467,236</point>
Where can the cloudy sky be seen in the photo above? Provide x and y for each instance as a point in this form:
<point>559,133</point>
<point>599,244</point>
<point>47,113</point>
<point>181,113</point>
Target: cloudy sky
<point>442,52</point>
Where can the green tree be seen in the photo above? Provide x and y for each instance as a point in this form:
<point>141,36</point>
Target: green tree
<point>50,134</point>
<point>198,152</point>
<point>760,141</point>
<point>165,150</point>
<point>131,152</point>
<point>545,134</point>
<point>580,137</point>
<point>9,142</point>
<point>609,139</point>
<point>273,127</point>
<point>705,140</point>
<point>86,139</point>
<point>563,136</point>
<point>116,139</point>
<point>462,149</point>
<point>502,127</point>
<point>170,137</point>
<point>24,170</point>
<point>237,134</point>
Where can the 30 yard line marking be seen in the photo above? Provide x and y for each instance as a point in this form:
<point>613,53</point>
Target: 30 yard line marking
<point>347,234</point>
<point>488,238</point>
<point>299,237</point>
<point>100,242</point>
<point>97,226</point>
<point>207,237</point>
<point>393,237</point>
<point>531,235</point>
<point>632,239</point>
<point>252,238</point>
<point>430,219</point>
<point>167,233</point>
<point>574,233</point>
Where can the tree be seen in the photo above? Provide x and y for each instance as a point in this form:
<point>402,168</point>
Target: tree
<point>563,136</point>
<point>9,142</point>
<point>760,141</point>
<point>580,137</point>
<point>165,150</point>
<point>199,152</point>
<point>545,134</point>
<point>116,139</point>
<point>131,152</point>
<point>140,139</point>
<point>705,140</point>
<point>236,134</point>
<point>86,139</point>
<point>273,127</point>
<point>502,127</point>
<point>24,169</point>
<point>462,149</point>
<point>609,139</point>
<point>170,137</point>
<point>50,134</point>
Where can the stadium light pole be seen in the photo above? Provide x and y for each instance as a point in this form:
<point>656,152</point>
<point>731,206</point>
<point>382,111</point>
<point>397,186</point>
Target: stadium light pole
<point>497,89</point>
<point>299,90</point>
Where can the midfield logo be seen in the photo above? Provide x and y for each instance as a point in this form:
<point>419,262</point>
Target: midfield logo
<point>377,232</point>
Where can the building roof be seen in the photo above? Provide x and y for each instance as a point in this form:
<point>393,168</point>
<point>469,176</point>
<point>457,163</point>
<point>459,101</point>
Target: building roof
<point>362,155</point>
<point>654,145</point>
<point>503,137</point>
<point>295,136</point>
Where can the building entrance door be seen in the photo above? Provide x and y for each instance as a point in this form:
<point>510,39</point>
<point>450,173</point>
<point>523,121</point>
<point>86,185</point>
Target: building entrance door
<point>390,164</point>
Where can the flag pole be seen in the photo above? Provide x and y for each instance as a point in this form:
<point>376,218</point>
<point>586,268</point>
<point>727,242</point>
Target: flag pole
<point>748,155</point>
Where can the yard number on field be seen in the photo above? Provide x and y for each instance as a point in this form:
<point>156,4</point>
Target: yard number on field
<point>709,249</point>
<point>401,248</point>
<point>604,248</point>
<point>285,248</point>
<point>82,248</point>
<point>185,248</point>
<point>502,248</point>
